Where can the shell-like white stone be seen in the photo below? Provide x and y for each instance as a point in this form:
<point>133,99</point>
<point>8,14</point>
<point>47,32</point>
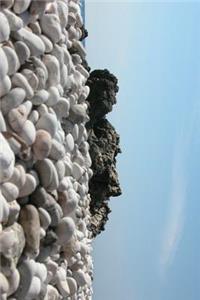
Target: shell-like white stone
<point>10,191</point>
<point>29,186</point>
<point>2,122</point>
<point>17,117</point>
<point>69,143</point>
<point>14,21</point>
<point>42,145</point>
<point>63,13</point>
<point>57,150</point>
<point>19,80</point>
<point>65,230</point>
<point>22,51</point>
<point>61,108</point>
<point>12,58</point>
<point>33,41</point>
<point>4,64</point>
<point>53,67</point>
<point>13,99</point>
<point>48,174</point>
<point>21,5</point>
<point>53,96</point>
<point>51,27</point>
<point>7,160</point>
<point>28,132</point>
<point>31,78</point>
<point>48,122</point>
<point>40,97</point>
<point>45,218</point>
<point>72,285</point>
<point>77,171</point>
<point>47,42</point>
<point>4,28</point>
<point>5,85</point>
<point>4,212</point>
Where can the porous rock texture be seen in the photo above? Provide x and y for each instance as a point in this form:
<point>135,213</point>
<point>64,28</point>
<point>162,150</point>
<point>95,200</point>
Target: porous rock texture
<point>104,147</point>
<point>45,166</point>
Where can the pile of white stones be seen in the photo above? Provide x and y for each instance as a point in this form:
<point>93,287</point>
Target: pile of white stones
<point>45,246</point>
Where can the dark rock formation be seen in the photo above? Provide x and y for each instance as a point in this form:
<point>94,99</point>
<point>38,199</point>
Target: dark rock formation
<point>104,147</point>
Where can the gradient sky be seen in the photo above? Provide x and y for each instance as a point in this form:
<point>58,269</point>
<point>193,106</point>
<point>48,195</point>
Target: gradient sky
<point>150,249</point>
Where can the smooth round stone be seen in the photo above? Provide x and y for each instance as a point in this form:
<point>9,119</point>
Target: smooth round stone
<point>7,160</point>
<point>34,116</point>
<point>42,145</point>
<point>4,28</point>
<point>17,118</point>
<point>65,184</point>
<point>12,242</point>
<point>48,44</point>
<point>40,97</point>
<point>4,64</point>
<point>2,122</point>
<point>60,167</point>
<point>4,285</point>
<point>35,27</point>
<point>77,171</point>
<point>64,76</point>
<point>28,133</point>
<point>31,78</point>
<point>41,272</point>
<point>52,293</point>
<point>14,209</point>
<point>45,218</point>
<point>4,210</point>
<point>68,205</point>
<point>58,53</point>
<point>30,221</point>
<point>28,187</point>
<point>57,150</point>
<point>21,5</point>
<point>54,96</point>
<point>50,25</point>
<point>13,280</point>
<point>69,145</point>
<point>34,42</point>
<point>62,13</point>
<point>61,108</point>
<point>12,59</point>
<point>53,67</point>
<point>48,174</point>
<point>26,270</point>
<point>80,277</point>
<point>10,191</point>
<point>72,285</point>
<point>65,230</point>
<point>48,122</point>
<point>63,288</point>
<point>5,86</point>
<point>22,51</point>
<point>75,132</point>
<point>19,176</point>
<point>19,80</point>
<point>55,212</point>
<point>34,288</point>
<point>13,99</point>
<point>14,21</point>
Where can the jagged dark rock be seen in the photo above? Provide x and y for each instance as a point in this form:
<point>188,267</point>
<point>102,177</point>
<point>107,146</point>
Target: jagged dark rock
<point>104,147</point>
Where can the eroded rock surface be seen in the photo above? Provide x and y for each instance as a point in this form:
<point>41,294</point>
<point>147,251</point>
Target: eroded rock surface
<point>104,147</point>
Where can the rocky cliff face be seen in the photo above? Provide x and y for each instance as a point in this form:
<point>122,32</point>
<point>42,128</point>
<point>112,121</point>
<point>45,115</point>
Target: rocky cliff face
<point>104,147</point>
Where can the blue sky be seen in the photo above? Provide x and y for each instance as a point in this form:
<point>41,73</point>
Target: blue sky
<point>150,249</point>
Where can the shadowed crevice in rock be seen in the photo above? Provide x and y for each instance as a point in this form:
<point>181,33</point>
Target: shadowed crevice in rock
<point>104,147</point>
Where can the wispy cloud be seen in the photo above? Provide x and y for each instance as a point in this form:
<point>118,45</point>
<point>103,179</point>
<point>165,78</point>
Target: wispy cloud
<point>177,213</point>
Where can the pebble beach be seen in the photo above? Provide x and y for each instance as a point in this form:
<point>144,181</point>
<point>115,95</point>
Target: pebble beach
<point>45,165</point>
